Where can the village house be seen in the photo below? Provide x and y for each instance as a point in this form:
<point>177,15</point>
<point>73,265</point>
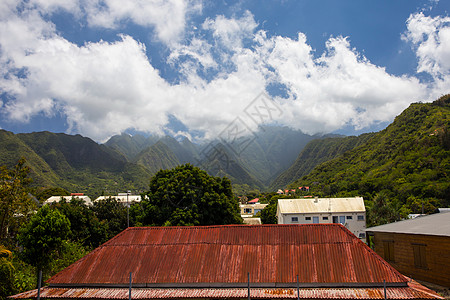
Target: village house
<point>349,212</point>
<point>81,196</point>
<point>320,261</point>
<point>124,198</point>
<point>249,210</point>
<point>419,247</point>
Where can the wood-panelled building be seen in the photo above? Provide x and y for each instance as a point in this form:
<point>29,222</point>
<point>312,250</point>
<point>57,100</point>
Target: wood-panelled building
<point>418,248</point>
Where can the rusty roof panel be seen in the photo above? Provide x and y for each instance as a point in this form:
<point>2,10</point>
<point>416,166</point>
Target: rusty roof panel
<point>317,253</point>
<point>410,292</point>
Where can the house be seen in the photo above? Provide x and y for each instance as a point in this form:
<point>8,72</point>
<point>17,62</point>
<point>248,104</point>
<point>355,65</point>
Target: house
<point>248,210</point>
<point>320,261</point>
<point>123,198</point>
<point>81,196</point>
<point>350,212</point>
<point>418,247</point>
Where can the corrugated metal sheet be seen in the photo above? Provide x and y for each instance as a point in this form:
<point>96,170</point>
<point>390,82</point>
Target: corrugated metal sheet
<point>435,224</point>
<point>212,255</point>
<point>321,205</point>
<point>240,293</point>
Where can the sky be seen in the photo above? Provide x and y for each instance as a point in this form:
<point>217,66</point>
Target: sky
<point>208,69</point>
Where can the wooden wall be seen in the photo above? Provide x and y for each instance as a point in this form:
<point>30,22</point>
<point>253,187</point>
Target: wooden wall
<point>422,257</point>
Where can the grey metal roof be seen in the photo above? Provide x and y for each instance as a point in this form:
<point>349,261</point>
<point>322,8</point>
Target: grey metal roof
<point>436,224</point>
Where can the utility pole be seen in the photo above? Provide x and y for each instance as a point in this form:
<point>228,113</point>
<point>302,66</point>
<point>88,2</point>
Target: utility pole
<point>128,209</point>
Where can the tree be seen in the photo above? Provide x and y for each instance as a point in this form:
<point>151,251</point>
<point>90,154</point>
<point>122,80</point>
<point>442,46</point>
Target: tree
<point>15,203</point>
<point>6,272</point>
<point>43,237</point>
<point>113,214</point>
<point>269,213</point>
<point>187,195</point>
<point>85,227</point>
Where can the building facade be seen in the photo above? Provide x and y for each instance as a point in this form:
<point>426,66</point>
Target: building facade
<point>349,212</point>
<point>419,247</point>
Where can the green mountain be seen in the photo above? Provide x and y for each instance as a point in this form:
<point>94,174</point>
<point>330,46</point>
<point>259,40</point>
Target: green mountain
<point>315,153</point>
<point>271,151</point>
<point>74,163</point>
<point>157,157</point>
<point>408,162</point>
<point>130,146</point>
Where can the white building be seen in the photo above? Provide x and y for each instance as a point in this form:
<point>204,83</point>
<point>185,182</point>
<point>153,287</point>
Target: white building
<point>123,198</point>
<point>56,199</point>
<point>249,210</point>
<point>350,212</point>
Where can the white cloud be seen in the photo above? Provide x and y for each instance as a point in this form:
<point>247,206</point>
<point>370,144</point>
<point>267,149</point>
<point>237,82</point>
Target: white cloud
<point>431,37</point>
<point>230,33</point>
<point>104,88</point>
<point>167,16</point>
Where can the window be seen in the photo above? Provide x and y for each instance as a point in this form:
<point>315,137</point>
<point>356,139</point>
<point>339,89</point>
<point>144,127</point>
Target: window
<point>335,219</point>
<point>388,250</point>
<point>324,218</point>
<point>420,259</point>
<point>349,217</point>
<point>294,219</point>
<point>362,235</point>
<point>342,220</point>
<point>247,210</point>
<point>316,220</point>
<point>360,218</point>
<point>308,218</point>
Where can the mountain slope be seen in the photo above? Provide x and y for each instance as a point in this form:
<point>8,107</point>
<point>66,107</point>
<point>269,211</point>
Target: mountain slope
<point>408,160</point>
<point>130,146</point>
<point>315,153</point>
<point>74,163</point>
<point>157,157</point>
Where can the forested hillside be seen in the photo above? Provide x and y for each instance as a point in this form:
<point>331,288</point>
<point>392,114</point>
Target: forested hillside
<point>74,163</point>
<point>403,168</point>
<point>317,152</point>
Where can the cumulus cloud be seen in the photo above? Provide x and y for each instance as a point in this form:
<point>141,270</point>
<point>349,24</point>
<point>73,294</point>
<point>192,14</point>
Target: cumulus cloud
<point>104,88</point>
<point>168,17</point>
<point>431,37</point>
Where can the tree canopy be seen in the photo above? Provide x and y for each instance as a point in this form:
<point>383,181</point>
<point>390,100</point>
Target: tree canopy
<point>187,195</point>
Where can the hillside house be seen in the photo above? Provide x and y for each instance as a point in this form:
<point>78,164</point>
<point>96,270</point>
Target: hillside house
<point>81,196</point>
<point>320,261</point>
<point>123,198</point>
<point>248,210</point>
<point>418,247</point>
<point>349,212</point>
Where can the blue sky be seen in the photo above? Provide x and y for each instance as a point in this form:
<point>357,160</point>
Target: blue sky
<point>195,68</point>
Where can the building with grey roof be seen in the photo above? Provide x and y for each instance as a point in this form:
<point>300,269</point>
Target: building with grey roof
<point>419,248</point>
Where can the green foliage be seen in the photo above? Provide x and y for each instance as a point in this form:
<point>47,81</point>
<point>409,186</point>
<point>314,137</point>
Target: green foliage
<point>317,152</point>
<point>43,237</point>
<point>6,273</point>
<point>15,204</point>
<point>113,214</point>
<point>85,226</point>
<point>269,213</point>
<point>410,158</point>
<point>187,195</point>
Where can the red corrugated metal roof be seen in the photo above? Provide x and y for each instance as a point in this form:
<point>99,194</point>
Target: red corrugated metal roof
<point>239,293</point>
<point>218,256</point>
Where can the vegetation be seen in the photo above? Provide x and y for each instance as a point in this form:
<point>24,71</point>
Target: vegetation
<point>187,195</point>
<point>408,161</point>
